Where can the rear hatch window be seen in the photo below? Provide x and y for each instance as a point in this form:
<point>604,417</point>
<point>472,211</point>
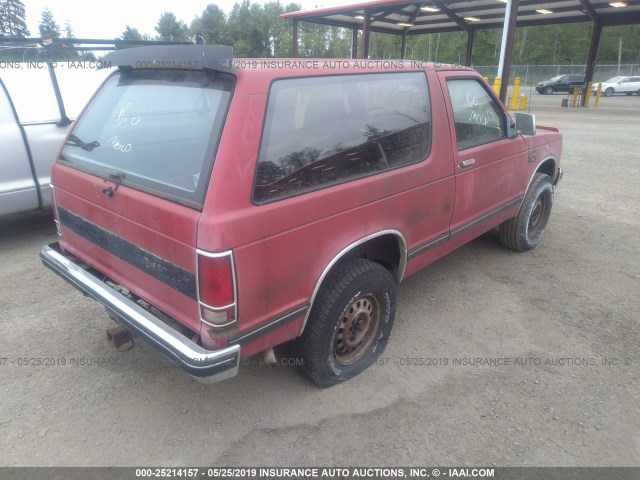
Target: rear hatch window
<point>153,130</point>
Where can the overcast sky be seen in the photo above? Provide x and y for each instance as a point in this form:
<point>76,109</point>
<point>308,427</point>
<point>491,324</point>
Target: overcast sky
<point>108,19</point>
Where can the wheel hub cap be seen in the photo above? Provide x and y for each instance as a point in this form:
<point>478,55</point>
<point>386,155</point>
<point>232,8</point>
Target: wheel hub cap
<point>357,329</point>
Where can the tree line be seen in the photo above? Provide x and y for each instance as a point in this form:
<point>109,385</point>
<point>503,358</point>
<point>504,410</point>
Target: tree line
<point>256,30</point>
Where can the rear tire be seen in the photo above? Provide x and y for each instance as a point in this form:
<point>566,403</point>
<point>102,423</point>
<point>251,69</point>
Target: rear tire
<point>350,322</point>
<point>524,231</point>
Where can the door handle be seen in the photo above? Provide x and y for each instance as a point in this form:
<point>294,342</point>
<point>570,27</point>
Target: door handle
<point>467,163</point>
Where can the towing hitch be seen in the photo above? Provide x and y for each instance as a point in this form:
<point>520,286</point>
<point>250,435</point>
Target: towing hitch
<point>121,338</point>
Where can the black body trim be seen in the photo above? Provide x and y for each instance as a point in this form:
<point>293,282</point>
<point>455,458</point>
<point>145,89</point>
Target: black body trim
<point>285,318</point>
<point>427,246</point>
<point>420,249</point>
<point>172,275</point>
<point>486,216</point>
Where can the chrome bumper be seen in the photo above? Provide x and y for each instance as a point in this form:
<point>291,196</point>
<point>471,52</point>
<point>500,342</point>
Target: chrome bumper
<point>558,177</point>
<point>204,365</point>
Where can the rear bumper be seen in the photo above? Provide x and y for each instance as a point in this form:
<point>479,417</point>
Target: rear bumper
<point>204,365</point>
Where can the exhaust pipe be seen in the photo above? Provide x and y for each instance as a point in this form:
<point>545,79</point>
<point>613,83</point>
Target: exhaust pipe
<point>269,357</point>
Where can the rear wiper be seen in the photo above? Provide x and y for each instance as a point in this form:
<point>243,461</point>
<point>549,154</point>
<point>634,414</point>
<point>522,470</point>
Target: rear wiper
<point>75,141</point>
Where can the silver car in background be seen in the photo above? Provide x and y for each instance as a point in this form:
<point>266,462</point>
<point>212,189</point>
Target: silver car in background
<point>620,84</point>
<point>33,124</point>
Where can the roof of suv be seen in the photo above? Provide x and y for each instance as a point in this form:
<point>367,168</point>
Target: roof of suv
<point>218,57</point>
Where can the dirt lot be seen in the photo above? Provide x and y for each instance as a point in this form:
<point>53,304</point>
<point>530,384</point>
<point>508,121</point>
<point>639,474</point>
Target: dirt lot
<point>566,313</point>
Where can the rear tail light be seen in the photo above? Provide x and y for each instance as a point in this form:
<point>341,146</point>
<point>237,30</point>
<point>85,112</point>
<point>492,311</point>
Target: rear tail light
<point>216,288</point>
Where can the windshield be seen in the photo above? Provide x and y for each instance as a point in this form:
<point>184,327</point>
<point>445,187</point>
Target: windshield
<point>556,78</point>
<point>153,130</point>
<point>614,80</point>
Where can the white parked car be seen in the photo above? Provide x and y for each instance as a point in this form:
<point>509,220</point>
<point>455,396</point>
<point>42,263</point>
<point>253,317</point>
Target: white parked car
<point>627,85</point>
<point>33,125</point>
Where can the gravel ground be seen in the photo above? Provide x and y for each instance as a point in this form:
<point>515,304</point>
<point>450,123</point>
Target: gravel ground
<point>561,320</point>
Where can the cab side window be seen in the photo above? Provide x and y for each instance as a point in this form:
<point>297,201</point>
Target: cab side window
<point>478,118</point>
<point>323,131</point>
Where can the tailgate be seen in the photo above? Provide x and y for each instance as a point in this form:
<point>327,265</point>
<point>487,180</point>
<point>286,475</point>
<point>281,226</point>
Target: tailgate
<point>131,180</point>
<point>145,243</point>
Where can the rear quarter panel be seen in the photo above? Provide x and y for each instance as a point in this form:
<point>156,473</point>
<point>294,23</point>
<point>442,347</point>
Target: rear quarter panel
<point>282,248</point>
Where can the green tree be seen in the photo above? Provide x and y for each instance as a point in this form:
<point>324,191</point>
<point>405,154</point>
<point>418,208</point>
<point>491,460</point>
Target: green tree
<point>248,31</point>
<point>48,25</point>
<point>211,24</point>
<point>131,34</point>
<point>281,31</point>
<point>70,51</point>
<point>12,19</point>
<point>169,28</point>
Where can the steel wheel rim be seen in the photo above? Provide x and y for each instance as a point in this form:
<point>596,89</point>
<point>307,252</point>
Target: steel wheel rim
<point>537,213</point>
<point>357,329</point>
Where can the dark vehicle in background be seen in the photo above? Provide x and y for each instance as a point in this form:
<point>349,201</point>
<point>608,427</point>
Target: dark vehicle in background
<point>561,83</point>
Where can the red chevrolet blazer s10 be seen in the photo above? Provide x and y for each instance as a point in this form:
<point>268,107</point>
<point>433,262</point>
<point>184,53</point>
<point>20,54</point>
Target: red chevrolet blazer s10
<point>219,207</point>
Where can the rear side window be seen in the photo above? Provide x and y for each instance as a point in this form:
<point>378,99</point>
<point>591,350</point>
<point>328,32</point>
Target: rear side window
<point>321,131</point>
<point>153,130</point>
<point>477,117</point>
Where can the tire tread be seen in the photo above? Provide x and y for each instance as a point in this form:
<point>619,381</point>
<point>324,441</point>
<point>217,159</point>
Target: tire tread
<point>311,340</point>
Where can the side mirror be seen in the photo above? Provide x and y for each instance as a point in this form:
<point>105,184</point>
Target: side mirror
<point>525,123</point>
<point>511,126</point>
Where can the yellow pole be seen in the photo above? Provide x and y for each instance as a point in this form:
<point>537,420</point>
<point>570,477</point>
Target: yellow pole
<point>598,93</point>
<point>574,97</point>
<point>486,79</point>
<point>496,85</point>
<point>523,102</point>
<point>514,96</point>
<point>587,93</point>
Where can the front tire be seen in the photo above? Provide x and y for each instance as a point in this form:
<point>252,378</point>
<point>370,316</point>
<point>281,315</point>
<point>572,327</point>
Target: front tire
<point>524,231</point>
<point>350,322</point>
<point>549,90</point>
<point>608,92</point>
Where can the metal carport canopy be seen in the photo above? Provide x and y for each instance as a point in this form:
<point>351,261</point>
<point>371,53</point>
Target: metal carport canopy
<point>401,17</point>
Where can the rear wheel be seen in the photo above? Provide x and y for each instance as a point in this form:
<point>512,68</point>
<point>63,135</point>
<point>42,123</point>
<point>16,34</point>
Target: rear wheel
<point>608,92</point>
<point>350,322</point>
<point>524,231</point>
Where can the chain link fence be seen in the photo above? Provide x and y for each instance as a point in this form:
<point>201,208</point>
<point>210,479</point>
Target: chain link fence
<point>532,74</point>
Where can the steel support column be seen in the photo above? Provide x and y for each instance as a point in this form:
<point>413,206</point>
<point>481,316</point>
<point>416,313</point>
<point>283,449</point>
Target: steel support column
<point>354,43</point>
<point>508,48</point>
<point>403,47</point>
<point>591,59</point>
<point>294,40</point>
<point>467,57</point>
<point>366,32</point>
